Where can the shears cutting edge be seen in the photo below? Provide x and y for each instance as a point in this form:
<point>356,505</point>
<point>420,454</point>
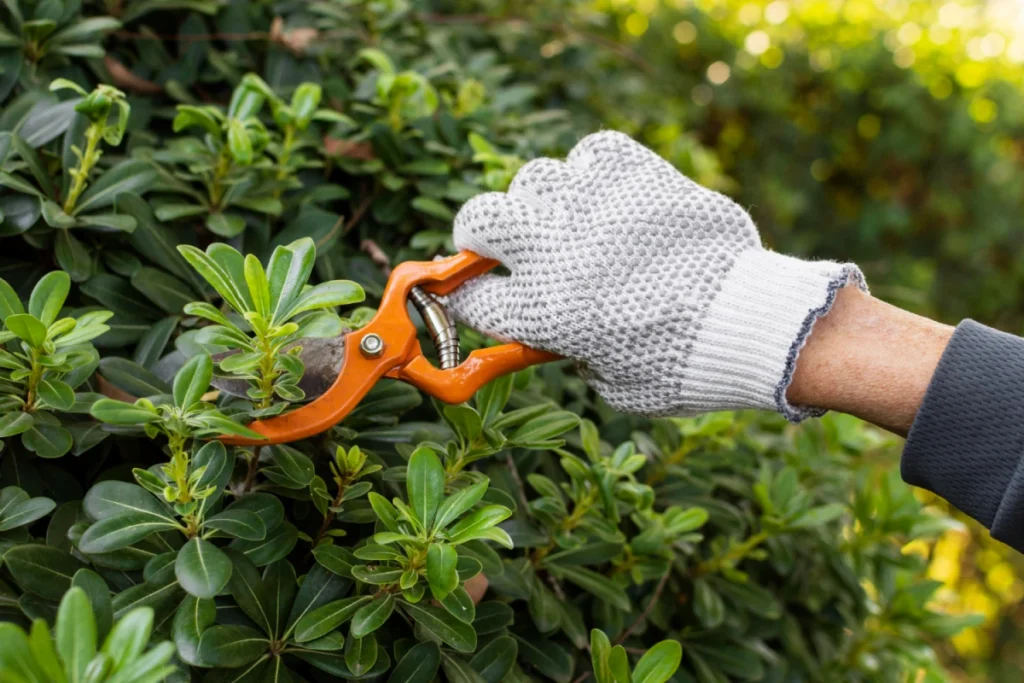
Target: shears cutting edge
<point>387,347</point>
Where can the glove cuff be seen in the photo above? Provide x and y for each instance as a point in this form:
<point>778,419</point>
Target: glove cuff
<point>745,353</point>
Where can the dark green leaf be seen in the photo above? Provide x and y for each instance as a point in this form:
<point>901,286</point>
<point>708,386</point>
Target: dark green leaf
<point>202,569</point>
<point>444,626</point>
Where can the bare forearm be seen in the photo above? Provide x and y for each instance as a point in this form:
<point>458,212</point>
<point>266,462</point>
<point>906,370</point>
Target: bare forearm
<point>869,359</point>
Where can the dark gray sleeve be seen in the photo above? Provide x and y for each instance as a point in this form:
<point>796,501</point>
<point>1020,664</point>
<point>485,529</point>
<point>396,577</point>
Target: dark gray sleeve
<point>967,441</point>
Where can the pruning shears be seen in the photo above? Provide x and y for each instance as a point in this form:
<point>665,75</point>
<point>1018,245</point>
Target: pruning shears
<point>348,366</point>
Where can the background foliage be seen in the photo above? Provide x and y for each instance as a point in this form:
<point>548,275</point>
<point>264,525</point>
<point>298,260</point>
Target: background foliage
<point>887,136</point>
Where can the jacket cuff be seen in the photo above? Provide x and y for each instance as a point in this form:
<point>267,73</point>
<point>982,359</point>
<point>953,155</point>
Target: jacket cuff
<point>967,440</point>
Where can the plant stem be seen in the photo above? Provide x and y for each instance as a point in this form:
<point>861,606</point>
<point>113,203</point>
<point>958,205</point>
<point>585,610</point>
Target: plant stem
<point>655,596</point>
<point>331,514</point>
<point>93,135</point>
<point>219,173</point>
<point>254,465</point>
<point>33,382</point>
<point>286,152</point>
<point>568,524</point>
<point>732,556</point>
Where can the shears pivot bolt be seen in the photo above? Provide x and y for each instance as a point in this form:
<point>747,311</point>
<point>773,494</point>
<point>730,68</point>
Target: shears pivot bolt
<point>372,345</point>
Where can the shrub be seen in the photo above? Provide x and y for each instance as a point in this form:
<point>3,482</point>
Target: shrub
<point>341,137</point>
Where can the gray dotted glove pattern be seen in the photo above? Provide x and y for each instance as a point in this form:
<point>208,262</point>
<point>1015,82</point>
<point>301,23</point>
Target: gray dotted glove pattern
<point>614,260</point>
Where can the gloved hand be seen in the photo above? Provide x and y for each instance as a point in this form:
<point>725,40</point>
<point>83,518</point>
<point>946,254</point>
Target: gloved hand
<point>657,287</point>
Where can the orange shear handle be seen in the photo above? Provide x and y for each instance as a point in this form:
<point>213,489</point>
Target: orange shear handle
<point>401,356</point>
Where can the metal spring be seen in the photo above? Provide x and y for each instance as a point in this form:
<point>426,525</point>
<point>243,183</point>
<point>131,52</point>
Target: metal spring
<point>440,325</point>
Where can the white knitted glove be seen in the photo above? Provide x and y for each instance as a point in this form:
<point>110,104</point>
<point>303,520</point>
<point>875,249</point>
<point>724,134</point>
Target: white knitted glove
<point>657,287</point>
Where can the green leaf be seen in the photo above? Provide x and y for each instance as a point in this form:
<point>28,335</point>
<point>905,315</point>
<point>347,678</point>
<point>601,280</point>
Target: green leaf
<point>132,378</point>
<point>492,398</point>
<point>192,381</point>
<point>247,588</point>
<point>598,585</point>
<point>495,660</point>
<point>128,638</point>
<point>231,646</point>
<point>23,512</point>
<point>444,626</point>
<point>238,524</point>
<point>48,296</point>
<point>460,502</point>
<point>267,506</point>
<point>432,207</point>
<point>16,656</point>
<point>133,176</point>
<point>492,616</point>
<point>441,574</point>
<point>219,278</point>
<point>318,588</point>
<point>287,273</point>
<point>818,516</point>
<point>336,559</point>
<point>98,594</point>
<point>707,604</point>
<point>120,413</point>
<point>43,650</point>
<point>598,552</point>
<point>110,498</point>
<point>28,328</point>
<point>419,665</point>
<point>277,544</point>
<point>458,670</point>
<point>474,525</point>
<point>121,531</point>
<point>545,427</point>
<point>547,656</point>
<point>47,440</point>
<point>466,421</point>
<point>326,295</point>
<point>360,654</point>
<point>256,280</point>
<point>191,619</point>
<point>325,619</point>
<point>45,571</point>
<point>460,605</point>
<point>227,225</point>
<point>10,304</point>
<point>163,289</point>
<point>659,663</point>
<point>425,484</point>
<point>600,652</point>
<point>75,633</point>
<point>202,569</point>
<point>372,616</point>
<point>56,394</point>
<point>12,424</point>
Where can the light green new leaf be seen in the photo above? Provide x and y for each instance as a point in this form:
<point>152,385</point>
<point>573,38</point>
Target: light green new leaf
<point>287,273</point>
<point>474,525</point>
<point>441,574</point>
<point>48,296</point>
<point>425,484</point>
<point>75,633</point>
<point>659,663</point>
<point>121,413</point>
<point>457,504</point>
<point>192,381</point>
<point>28,328</point>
